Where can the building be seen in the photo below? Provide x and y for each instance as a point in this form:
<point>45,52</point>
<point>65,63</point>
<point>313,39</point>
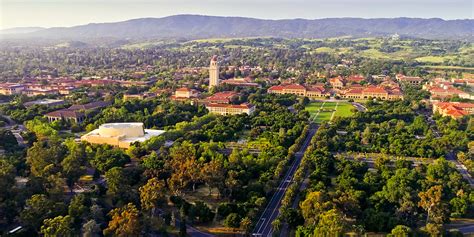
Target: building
<point>67,115</point>
<point>417,81</point>
<point>185,93</point>
<point>36,92</point>
<point>300,90</point>
<point>225,97</point>
<point>242,82</point>
<point>213,72</point>
<point>356,79</point>
<point>453,109</point>
<point>76,113</point>
<point>228,109</point>
<point>47,102</point>
<point>91,106</point>
<point>442,91</point>
<point>359,92</point>
<point>142,96</point>
<point>337,82</point>
<point>11,88</point>
<point>120,134</point>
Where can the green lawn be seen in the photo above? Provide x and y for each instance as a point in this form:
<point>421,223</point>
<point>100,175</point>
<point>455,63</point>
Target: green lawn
<point>324,111</point>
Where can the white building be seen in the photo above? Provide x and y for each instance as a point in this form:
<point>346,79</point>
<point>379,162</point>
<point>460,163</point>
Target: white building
<point>120,134</point>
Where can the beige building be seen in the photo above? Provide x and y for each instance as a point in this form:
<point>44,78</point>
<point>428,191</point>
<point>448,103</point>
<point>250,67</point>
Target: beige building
<point>186,93</point>
<point>300,90</point>
<point>213,72</point>
<point>228,109</point>
<point>120,134</point>
<point>11,89</point>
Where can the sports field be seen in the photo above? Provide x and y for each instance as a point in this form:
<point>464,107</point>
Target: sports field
<point>326,111</point>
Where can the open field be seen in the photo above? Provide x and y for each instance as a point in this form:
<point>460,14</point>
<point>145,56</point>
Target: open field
<point>326,111</point>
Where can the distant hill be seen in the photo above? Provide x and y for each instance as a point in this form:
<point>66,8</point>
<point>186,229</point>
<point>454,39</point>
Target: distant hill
<point>21,30</point>
<point>197,27</point>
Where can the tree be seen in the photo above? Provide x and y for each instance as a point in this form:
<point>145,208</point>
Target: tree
<point>117,183</point>
<point>185,168</point>
<point>331,223</point>
<point>124,221</point>
<point>245,224</point>
<point>106,158</point>
<point>44,158</point>
<point>91,229</point>
<point>151,194</point>
<point>232,220</point>
<point>73,164</point>
<point>214,175</point>
<point>59,226</point>
<point>401,230</point>
<point>79,207</point>
<point>314,204</point>
<point>37,208</point>
<point>431,201</point>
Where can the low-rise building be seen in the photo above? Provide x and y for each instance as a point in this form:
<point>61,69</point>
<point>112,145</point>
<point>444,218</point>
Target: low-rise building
<point>11,88</point>
<point>409,80</point>
<point>120,134</point>
<point>242,82</point>
<point>299,90</point>
<point>453,109</point>
<point>337,82</point>
<point>141,96</point>
<point>358,92</point>
<point>225,97</point>
<point>229,109</point>
<point>76,113</point>
<point>185,93</point>
<point>47,102</point>
<point>67,115</point>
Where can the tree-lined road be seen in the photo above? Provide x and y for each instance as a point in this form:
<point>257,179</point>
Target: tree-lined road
<point>264,224</point>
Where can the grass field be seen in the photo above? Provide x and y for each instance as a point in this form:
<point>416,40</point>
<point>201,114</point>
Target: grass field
<point>326,111</point>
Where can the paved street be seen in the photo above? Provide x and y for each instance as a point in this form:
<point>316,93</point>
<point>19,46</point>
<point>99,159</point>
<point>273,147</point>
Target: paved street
<point>264,224</point>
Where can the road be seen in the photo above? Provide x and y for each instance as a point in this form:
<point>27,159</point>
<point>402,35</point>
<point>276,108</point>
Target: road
<point>264,224</point>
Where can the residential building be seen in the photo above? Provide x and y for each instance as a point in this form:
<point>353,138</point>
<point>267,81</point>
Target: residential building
<point>229,109</point>
<point>120,134</point>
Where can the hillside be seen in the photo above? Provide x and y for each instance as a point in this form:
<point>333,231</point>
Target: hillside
<point>196,27</point>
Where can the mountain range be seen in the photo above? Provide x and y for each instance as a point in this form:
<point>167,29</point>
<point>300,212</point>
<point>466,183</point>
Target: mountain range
<point>198,27</point>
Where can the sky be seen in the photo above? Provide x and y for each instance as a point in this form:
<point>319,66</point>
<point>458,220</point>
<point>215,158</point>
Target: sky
<point>54,13</point>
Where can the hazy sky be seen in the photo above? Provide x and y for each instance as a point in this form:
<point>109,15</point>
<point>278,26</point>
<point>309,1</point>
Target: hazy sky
<point>49,13</point>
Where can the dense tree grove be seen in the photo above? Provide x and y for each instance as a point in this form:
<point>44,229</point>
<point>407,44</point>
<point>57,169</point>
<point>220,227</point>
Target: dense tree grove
<point>396,196</point>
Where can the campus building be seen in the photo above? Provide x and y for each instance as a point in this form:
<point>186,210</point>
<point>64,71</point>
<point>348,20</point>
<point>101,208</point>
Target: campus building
<point>359,92</point>
<point>120,134</point>
<point>453,109</point>
<point>300,90</point>
<point>409,80</point>
<point>228,109</point>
